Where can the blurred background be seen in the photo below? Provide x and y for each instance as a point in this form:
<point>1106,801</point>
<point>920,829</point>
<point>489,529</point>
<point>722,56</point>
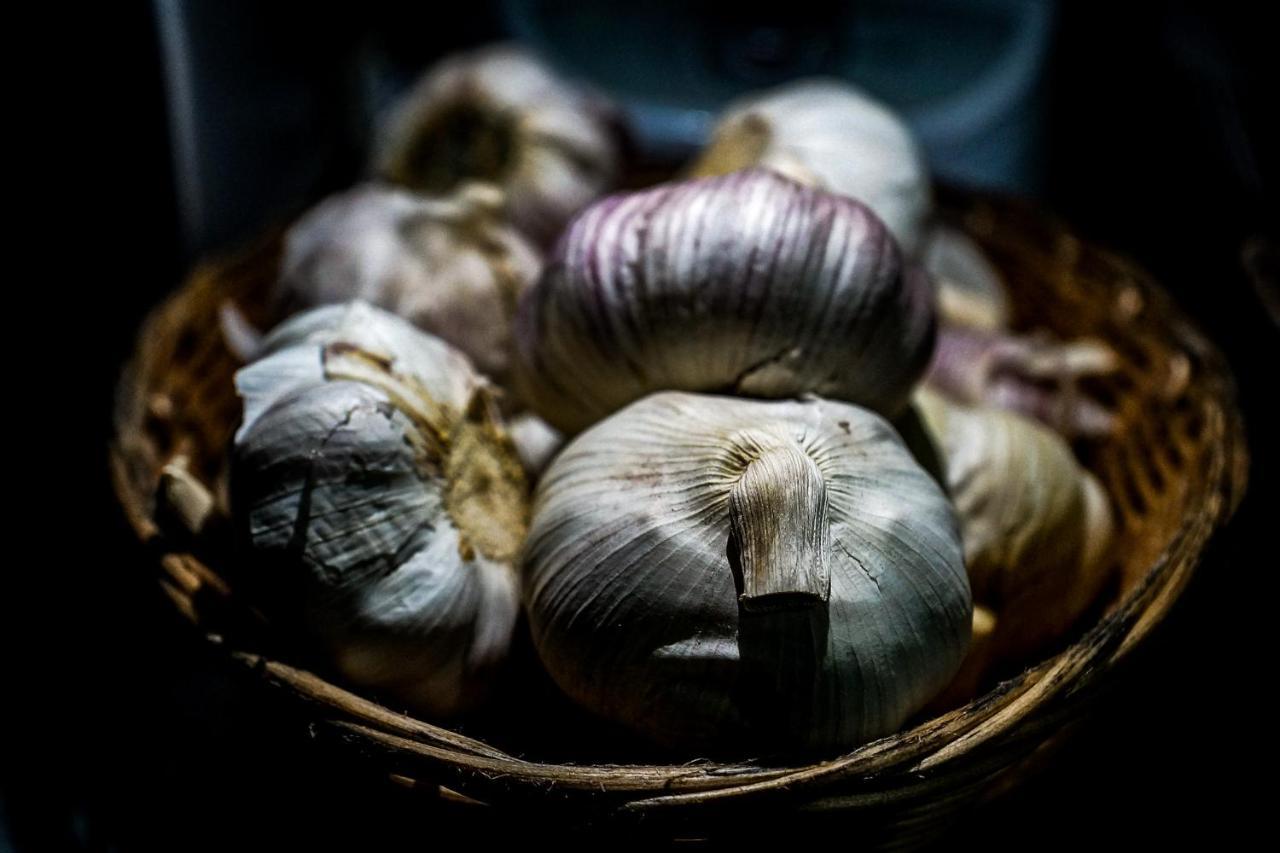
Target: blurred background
<point>1141,124</point>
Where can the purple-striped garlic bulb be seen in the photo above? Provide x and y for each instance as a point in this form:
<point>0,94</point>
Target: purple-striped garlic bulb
<point>450,266</point>
<point>748,284</point>
<point>500,116</point>
<point>1033,375</point>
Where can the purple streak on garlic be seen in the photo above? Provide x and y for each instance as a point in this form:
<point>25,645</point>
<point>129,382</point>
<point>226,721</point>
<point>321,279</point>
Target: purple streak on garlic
<point>748,284</point>
<point>498,115</point>
<point>449,266</point>
<point>1034,376</point>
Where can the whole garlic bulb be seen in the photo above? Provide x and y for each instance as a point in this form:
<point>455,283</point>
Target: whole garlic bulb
<point>449,266</point>
<point>828,134</point>
<point>749,284</point>
<point>380,504</point>
<point>498,115</point>
<point>1036,525</point>
<point>730,575</point>
<point>1032,375</point>
<point>971,291</point>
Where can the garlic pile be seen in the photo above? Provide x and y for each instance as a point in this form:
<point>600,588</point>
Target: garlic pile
<point>749,284</point>
<point>379,503</point>
<point>450,266</point>
<point>828,134</point>
<point>735,552</point>
<point>732,574</point>
<point>498,115</point>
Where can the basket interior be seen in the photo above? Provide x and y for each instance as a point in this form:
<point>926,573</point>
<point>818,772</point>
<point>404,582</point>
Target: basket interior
<point>1174,470</point>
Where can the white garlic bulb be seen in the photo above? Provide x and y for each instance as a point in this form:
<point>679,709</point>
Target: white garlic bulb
<point>500,116</point>
<point>828,134</point>
<point>729,575</point>
<point>1036,525</point>
<point>749,284</point>
<point>971,291</point>
<point>449,266</point>
<point>379,504</point>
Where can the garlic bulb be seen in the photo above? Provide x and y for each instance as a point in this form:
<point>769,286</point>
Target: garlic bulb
<point>449,266</point>
<point>1032,375</point>
<point>499,116</point>
<point>828,134</point>
<point>749,284</point>
<point>730,575</point>
<point>380,504</point>
<point>971,291</point>
<point>1036,525</point>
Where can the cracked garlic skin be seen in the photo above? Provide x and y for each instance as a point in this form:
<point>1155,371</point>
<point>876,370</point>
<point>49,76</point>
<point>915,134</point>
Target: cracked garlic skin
<point>733,576</point>
<point>748,284</point>
<point>1036,525</point>
<point>449,266</point>
<point>498,115</point>
<point>379,504</point>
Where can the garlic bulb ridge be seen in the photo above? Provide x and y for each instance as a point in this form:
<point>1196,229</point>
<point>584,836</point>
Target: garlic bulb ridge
<point>730,575</point>
<point>449,266</point>
<point>749,284</point>
<point>498,115</point>
<point>379,503</point>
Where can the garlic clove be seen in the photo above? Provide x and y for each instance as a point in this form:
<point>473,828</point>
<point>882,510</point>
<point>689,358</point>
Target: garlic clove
<point>748,284</point>
<point>828,134</point>
<point>498,115</point>
<point>1032,375</point>
<point>729,575</point>
<point>1036,526</point>
<point>379,505</point>
<point>450,266</point>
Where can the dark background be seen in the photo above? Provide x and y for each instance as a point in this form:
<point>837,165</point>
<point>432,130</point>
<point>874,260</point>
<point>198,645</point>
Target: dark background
<point>126,732</point>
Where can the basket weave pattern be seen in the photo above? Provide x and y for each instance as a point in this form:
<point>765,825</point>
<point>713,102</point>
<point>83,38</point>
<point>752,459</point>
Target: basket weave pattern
<point>1174,471</point>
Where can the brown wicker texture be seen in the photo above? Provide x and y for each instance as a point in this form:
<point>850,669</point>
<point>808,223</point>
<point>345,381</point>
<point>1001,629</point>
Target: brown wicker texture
<point>1175,472</point>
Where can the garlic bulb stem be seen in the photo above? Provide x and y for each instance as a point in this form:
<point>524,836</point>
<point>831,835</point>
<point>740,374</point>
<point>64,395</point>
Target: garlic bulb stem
<point>779,538</point>
<point>779,532</point>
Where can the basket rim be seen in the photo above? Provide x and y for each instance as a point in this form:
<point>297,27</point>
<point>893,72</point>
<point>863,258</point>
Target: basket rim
<point>891,763</point>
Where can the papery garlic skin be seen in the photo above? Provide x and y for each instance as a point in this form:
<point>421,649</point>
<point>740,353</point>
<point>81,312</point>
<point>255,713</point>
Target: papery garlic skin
<point>1033,375</point>
<point>498,115</point>
<point>1037,526</point>
<point>634,554</point>
<point>828,134</point>
<point>749,284</point>
<point>535,440</point>
<point>379,505</point>
<point>449,266</point>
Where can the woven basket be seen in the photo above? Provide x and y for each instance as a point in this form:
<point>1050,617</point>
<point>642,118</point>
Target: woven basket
<point>1175,472</point>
